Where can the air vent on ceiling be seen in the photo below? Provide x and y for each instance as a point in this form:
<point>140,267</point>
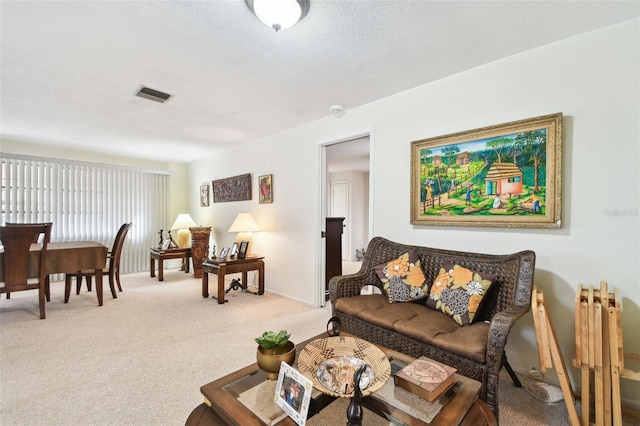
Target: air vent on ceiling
<point>153,95</point>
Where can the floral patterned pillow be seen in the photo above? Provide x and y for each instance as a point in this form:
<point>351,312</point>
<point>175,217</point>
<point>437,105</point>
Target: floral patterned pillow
<point>458,292</point>
<point>403,278</point>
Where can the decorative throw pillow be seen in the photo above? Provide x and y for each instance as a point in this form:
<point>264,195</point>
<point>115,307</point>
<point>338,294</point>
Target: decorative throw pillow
<point>458,292</point>
<point>403,278</point>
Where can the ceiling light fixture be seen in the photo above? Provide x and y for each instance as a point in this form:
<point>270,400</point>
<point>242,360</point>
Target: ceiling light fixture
<point>279,14</point>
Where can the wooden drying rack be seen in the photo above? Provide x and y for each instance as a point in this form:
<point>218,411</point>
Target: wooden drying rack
<point>599,353</point>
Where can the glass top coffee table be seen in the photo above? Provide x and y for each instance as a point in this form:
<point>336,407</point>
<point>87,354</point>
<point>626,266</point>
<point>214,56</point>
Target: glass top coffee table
<point>246,397</point>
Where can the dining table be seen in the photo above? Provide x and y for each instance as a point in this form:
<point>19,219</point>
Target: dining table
<point>69,258</point>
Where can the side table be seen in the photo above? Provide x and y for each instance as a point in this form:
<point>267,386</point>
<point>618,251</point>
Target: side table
<point>162,255</point>
<point>221,267</point>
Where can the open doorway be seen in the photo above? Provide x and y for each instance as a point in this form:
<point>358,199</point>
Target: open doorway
<point>347,171</point>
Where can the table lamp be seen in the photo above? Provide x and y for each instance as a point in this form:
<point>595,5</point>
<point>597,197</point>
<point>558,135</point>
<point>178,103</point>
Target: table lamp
<point>244,224</point>
<point>182,224</point>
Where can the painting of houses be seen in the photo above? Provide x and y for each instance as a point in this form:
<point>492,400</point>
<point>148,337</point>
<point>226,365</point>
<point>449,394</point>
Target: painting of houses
<point>462,158</point>
<point>502,174</point>
<point>503,178</point>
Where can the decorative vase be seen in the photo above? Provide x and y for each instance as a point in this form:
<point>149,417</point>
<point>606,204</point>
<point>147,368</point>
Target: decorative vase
<point>199,248</point>
<point>269,359</point>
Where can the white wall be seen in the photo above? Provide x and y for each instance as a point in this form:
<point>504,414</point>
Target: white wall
<point>592,79</point>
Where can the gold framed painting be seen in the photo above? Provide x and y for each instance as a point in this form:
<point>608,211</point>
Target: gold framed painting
<point>506,175</point>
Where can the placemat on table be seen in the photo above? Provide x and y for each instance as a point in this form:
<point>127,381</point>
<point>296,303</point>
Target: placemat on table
<point>260,400</point>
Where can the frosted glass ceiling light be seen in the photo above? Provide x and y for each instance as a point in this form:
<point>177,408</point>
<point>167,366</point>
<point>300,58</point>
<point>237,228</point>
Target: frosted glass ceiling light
<point>279,14</point>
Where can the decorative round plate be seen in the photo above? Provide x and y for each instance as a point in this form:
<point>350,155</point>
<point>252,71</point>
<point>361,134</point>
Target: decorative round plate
<point>325,373</point>
<point>317,352</point>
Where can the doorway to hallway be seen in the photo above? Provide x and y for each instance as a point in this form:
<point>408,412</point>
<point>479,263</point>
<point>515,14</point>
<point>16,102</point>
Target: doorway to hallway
<point>347,193</point>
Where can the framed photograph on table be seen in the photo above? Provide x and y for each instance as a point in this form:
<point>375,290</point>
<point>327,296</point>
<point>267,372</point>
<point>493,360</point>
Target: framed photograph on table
<point>293,393</point>
<point>242,253</point>
<point>234,250</point>
<point>224,252</point>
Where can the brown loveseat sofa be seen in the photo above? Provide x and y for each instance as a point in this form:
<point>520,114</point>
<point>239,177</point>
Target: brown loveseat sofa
<point>476,350</point>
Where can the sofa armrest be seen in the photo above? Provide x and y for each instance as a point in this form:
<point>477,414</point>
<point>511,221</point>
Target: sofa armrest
<point>347,285</point>
<point>498,331</point>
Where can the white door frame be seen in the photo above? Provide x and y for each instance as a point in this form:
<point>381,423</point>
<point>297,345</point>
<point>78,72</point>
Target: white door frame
<point>321,215</point>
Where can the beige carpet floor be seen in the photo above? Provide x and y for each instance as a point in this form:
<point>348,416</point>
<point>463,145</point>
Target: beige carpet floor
<point>141,358</point>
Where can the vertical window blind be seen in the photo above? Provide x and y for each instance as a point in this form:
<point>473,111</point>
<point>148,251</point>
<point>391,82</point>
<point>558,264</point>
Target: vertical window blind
<point>87,202</point>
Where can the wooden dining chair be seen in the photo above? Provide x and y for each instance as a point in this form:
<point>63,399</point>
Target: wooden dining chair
<point>17,240</point>
<point>112,269</point>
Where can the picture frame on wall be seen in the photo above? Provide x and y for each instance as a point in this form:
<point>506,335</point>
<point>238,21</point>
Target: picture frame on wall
<point>242,251</point>
<point>506,175</point>
<point>265,189</point>
<point>204,195</point>
<point>235,188</point>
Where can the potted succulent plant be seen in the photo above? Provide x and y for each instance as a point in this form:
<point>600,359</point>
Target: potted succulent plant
<point>273,348</point>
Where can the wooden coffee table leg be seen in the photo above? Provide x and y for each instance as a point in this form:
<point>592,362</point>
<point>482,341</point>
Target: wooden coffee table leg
<point>160,269</point>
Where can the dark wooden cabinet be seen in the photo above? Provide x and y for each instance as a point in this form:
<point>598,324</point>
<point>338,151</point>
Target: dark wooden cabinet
<point>333,250</point>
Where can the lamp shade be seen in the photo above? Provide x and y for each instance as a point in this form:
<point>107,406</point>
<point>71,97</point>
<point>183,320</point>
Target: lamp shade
<point>182,224</point>
<point>183,221</point>
<point>244,223</point>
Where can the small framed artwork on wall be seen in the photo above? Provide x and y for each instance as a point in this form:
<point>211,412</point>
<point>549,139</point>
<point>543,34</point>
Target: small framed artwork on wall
<point>265,188</point>
<point>204,195</point>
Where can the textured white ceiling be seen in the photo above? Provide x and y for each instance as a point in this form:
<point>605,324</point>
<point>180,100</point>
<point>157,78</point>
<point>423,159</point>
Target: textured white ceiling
<point>69,70</point>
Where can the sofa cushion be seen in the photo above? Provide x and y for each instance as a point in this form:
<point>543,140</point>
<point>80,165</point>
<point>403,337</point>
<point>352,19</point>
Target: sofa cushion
<point>458,292</point>
<point>420,323</point>
<point>403,278</point>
